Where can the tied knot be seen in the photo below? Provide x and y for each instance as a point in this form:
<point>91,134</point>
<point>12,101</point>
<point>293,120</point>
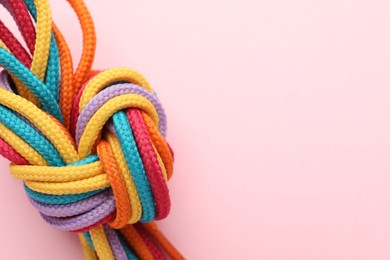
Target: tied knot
<point>123,163</point>
<point>89,145</point>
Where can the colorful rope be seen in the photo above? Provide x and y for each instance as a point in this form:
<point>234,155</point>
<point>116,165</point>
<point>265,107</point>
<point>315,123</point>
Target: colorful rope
<point>89,145</point>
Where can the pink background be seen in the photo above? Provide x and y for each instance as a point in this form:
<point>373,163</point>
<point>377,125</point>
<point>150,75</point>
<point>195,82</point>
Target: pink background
<point>279,114</point>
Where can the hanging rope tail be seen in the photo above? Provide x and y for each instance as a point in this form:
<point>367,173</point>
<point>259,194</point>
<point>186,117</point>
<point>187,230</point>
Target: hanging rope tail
<point>89,145</point>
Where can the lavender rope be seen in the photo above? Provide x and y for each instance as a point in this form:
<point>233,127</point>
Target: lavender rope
<point>116,90</point>
<point>4,83</point>
<point>84,220</point>
<point>82,213</point>
<point>71,209</point>
<point>115,243</point>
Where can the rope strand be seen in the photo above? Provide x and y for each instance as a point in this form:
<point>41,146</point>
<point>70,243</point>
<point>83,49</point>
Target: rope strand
<point>89,145</point>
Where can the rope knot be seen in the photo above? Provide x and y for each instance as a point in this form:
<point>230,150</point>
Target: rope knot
<point>89,145</point>
<point>119,126</point>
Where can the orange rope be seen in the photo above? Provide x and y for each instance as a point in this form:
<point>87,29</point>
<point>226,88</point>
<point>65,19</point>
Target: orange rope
<point>89,43</point>
<point>66,90</point>
<point>123,206</point>
<point>136,242</point>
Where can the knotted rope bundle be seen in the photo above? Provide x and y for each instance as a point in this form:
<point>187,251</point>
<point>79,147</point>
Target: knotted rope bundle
<point>90,146</point>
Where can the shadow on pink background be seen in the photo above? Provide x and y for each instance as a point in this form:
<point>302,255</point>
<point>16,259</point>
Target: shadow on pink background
<point>279,114</point>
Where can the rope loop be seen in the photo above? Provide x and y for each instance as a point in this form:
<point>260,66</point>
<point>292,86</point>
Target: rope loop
<point>89,145</point>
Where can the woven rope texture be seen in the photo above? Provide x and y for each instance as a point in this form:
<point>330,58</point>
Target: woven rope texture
<point>88,144</point>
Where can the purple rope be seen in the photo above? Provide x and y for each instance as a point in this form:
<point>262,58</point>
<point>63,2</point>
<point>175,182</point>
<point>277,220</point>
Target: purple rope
<point>115,243</point>
<point>110,127</point>
<point>71,209</point>
<point>4,83</point>
<point>90,209</point>
<point>113,91</point>
<point>83,220</point>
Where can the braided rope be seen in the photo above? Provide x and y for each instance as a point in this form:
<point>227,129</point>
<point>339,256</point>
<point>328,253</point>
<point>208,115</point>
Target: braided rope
<point>89,145</point>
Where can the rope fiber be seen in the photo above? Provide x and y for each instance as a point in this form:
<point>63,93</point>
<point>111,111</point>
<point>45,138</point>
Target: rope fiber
<point>89,145</point>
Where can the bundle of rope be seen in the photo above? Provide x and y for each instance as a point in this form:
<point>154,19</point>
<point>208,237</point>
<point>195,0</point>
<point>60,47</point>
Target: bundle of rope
<point>89,145</point>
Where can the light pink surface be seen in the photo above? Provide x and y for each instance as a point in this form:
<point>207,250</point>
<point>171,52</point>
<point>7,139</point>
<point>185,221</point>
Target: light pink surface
<point>279,113</point>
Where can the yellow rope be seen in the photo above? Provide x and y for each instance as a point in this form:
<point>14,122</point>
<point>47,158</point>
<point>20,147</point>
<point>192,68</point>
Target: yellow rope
<point>110,76</point>
<point>56,174</point>
<point>101,116</point>
<point>136,208</point>
<point>102,246</point>
<point>88,251</point>
<point>21,146</point>
<point>73,187</point>
<point>44,122</point>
